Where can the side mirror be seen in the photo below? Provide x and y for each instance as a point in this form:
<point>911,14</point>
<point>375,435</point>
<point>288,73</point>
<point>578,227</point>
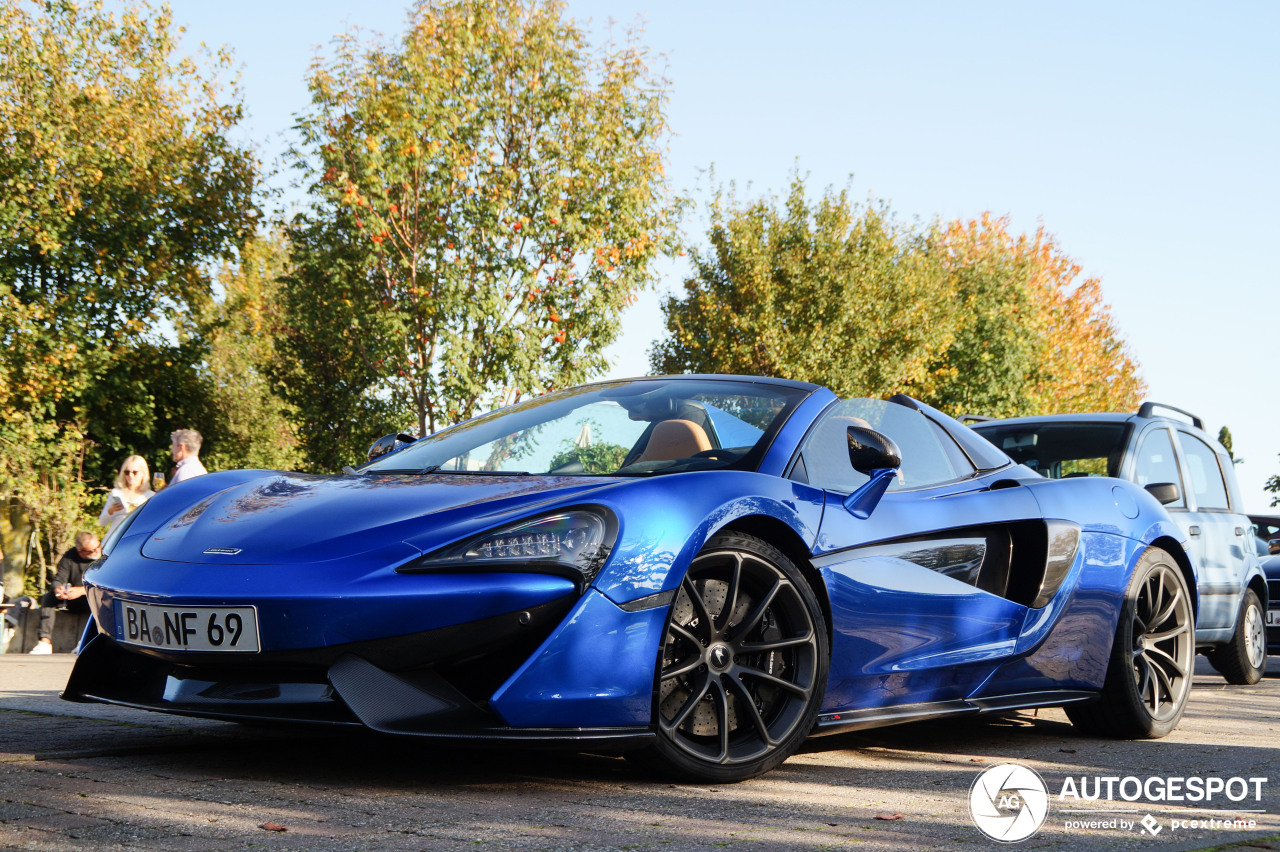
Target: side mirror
<point>1165,492</point>
<point>1274,546</point>
<point>389,444</point>
<point>876,456</point>
<point>870,451</point>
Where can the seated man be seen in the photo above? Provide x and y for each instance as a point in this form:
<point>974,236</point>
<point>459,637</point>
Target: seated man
<point>68,588</point>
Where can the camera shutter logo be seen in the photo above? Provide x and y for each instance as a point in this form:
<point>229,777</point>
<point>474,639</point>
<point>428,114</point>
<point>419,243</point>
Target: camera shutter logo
<point>1008,802</point>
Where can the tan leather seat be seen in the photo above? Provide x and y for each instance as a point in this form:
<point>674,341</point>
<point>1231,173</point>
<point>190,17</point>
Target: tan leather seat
<point>675,439</point>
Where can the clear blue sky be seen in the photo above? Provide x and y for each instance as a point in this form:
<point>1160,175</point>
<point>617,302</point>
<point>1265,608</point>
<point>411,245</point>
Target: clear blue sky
<point>1146,137</point>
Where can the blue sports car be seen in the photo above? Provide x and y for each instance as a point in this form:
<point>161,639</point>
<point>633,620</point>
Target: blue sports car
<point>701,571</point>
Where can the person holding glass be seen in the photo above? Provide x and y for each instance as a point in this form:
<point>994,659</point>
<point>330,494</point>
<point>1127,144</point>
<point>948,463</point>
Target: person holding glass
<point>131,490</point>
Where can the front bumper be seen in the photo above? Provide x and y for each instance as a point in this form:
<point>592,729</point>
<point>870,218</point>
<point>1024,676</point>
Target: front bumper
<point>352,692</point>
<point>574,669</point>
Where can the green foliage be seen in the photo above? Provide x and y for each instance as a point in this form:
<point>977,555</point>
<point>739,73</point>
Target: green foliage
<point>491,191</point>
<point>246,424</point>
<point>1224,438</point>
<point>964,316</point>
<point>324,337</point>
<point>42,478</point>
<point>826,292</point>
<point>1033,337</point>
<point>118,185</point>
<point>1273,487</point>
<point>596,458</point>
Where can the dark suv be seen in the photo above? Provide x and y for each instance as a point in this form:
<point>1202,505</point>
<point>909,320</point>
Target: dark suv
<point>1193,476</point>
<point>1267,530</point>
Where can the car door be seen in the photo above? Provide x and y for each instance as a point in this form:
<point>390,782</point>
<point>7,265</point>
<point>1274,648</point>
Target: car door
<point>917,590</point>
<point>1220,538</point>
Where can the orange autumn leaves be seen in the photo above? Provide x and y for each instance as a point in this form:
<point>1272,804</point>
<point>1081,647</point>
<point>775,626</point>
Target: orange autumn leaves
<point>1039,336</point>
<point>500,185</point>
<point>965,315</point>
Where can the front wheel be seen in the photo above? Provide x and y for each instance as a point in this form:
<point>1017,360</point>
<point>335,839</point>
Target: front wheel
<point>743,666</point>
<point>1150,669</point>
<point>1244,658</point>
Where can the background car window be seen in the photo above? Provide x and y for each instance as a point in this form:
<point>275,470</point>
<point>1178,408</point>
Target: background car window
<point>826,449</point>
<point>1156,463</point>
<point>1061,450</point>
<point>1206,475</point>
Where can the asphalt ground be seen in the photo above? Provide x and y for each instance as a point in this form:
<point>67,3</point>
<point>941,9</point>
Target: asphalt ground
<point>78,776</point>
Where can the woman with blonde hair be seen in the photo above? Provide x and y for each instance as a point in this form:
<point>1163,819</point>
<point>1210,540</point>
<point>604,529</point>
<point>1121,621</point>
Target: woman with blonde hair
<point>132,489</point>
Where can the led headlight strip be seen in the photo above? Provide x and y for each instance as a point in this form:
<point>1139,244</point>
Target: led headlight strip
<point>575,542</point>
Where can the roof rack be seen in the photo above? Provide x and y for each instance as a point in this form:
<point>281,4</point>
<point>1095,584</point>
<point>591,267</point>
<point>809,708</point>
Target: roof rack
<point>966,419</point>
<point>1147,407</point>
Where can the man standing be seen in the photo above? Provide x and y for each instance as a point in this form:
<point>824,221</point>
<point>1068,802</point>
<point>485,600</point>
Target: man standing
<point>186,455</point>
<point>68,588</point>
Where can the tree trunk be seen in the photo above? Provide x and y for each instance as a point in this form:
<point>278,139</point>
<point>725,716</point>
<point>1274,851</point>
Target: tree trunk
<point>15,540</point>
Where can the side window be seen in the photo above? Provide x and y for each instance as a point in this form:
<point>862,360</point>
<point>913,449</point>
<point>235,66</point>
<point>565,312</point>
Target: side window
<point>1206,475</point>
<point>959,461</point>
<point>1156,463</point>
<point>925,460</point>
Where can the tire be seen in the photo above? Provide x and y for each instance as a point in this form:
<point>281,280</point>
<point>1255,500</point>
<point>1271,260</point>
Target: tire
<point>1151,665</point>
<point>743,665</point>
<point>1244,659</point>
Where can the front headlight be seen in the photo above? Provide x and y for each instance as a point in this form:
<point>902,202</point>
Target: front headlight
<point>574,542</point>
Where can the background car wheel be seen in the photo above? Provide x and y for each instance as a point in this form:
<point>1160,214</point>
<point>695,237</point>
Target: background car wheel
<point>743,664</point>
<point>1244,658</point>
<point>1150,670</point>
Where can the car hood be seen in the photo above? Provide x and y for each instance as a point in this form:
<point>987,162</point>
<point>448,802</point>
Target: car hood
<point>286,518</point>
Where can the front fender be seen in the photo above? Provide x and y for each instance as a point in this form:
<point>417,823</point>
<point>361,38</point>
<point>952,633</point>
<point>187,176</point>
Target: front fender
<point>664,522</point>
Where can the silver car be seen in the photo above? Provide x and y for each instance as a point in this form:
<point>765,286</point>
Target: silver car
<point>1194,477</point>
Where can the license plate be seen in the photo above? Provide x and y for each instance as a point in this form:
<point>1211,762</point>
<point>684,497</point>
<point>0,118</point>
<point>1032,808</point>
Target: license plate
<point>187,628</point>
<point>1273,618</point>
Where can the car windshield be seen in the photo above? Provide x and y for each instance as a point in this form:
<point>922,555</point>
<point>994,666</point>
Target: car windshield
<point>1061,450</point>
<point>628,428</point>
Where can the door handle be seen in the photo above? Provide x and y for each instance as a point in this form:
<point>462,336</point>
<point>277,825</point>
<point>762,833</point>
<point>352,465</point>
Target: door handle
<point>1239,530</point>
<point>1193,530</point>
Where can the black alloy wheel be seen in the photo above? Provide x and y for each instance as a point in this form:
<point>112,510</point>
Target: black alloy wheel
<point>1151,666</point>
<point>743,666</point>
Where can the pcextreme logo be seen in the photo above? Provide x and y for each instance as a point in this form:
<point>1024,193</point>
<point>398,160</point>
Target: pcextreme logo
<point>1008,802</point>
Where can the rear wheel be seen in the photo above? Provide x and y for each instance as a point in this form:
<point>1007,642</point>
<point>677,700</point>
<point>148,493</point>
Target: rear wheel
<point>743,666</point>
<point>1149,673</point>
<point>1244,658</point>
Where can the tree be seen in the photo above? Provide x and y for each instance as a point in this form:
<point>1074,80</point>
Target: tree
<point>494,191</point>
<point>1224,438</point>
<point>333,384</point>
<point>1035,339</point>
<point>42,476</point>
<point>247,424</point>
<point>825,292</point>
<point>118,185</point>
<point>600,458</point>
<point>1273,487</point>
